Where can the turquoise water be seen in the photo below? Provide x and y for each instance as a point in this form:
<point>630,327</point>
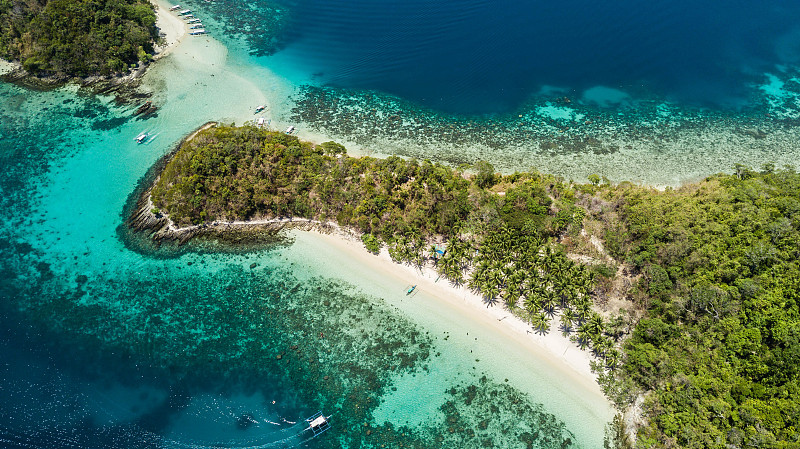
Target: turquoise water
<point>572,88</point>
<point>107,344</point>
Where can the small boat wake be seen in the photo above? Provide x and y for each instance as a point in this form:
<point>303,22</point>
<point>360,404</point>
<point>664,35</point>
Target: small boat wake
<point>296,434</point>
<point>146,137</point>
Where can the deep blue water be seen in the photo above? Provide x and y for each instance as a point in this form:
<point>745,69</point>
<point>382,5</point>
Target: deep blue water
<point>104,346</point>
<point>479,56</point>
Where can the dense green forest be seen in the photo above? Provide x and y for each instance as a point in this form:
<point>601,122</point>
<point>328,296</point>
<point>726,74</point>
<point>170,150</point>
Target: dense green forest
<point>709,335</point>
<point>719,347</point>
<point>77,37</point>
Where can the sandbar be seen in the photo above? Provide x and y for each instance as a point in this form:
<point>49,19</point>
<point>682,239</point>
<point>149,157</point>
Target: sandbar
<point>170,27</point>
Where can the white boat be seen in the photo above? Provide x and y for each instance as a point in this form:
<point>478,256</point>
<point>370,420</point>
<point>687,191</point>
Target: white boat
<point>175,8</point>
<point>260,121</point>
<point>317,424</point>
<point>184,12</point>
<point>196,26</point>
<point>195,20</point>
<point>188,16</point>
<point>197,32</point>
<point>260,108</point>
<point>141,137</point>
<point>289,130</point>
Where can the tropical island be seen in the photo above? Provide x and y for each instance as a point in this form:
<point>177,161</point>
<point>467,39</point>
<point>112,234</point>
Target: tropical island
<point>687,297</point>
<point>62,39</point>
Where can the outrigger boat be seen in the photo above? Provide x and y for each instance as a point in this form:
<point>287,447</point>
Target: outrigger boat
<point>195,20</point>
<point>411,289</point>
<point>189,16</point>
<point>196,26</point>
<point>197,32</point>
<point>141,137</point>
<point>317,424</point>
<point>260,108</point>
<point>184,12</point>
<point>175,8</point>
<point>289,130</point>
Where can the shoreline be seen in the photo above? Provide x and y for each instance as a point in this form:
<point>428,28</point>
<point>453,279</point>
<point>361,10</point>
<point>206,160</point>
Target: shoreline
<point>559,352</point>
<point>174,30</point>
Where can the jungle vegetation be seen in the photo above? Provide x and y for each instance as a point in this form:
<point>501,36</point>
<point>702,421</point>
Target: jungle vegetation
<point>709,337</point>
<point>77,37</point>
<point>718,347</point>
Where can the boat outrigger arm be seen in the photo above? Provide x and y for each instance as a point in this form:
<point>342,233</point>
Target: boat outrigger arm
<point>317,424</point>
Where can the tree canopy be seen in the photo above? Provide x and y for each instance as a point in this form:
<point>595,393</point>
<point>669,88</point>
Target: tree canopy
<point>77,37</point>
<point>718,350</point>
<point>714,348</point>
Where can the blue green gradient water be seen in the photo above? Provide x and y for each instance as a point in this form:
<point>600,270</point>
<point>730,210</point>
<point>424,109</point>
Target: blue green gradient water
<point>645,92</point>
<point>107,346</point>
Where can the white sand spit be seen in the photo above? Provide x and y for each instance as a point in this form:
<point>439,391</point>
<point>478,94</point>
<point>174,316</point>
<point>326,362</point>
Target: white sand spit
<point>171,28</point>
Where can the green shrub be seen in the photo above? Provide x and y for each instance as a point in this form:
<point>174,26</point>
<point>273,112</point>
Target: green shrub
<point>372,243</point>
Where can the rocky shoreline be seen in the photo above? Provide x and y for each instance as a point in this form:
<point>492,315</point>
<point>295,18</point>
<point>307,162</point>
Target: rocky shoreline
<point>161,229</point>
<point>124,88</point>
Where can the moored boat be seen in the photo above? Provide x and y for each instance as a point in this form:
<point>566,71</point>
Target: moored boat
<point>196,26</point>
<point>197,32</point>
<point>184,12</point>
<point>195,20</point>
<point>175,7</point>
<point>290,130</point>
<point>260,108</point>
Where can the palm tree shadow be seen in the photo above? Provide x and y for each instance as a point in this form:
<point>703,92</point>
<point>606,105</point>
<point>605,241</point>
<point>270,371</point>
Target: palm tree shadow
<point>490,302</point>
<point>541,330</point>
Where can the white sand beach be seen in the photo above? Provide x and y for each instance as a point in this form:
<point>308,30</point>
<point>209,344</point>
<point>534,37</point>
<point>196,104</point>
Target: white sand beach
<point>549,367</point>
<point>172,28</point>
<point>563,353</point>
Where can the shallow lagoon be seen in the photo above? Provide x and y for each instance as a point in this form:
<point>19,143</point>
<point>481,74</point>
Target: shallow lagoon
<point>105,345</point>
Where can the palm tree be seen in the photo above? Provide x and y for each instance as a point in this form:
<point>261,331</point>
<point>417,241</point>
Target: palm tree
<point>567,318</point>
<point>512,285</point>
<point>540,322</point>
<point>550,301</point>
<point>602,345</point>
<point>532,303</point>
<point>596,325</point>
<point>583,308</point>
<point>490,295</point>
<point>495,277</point>
<point>568,294</point>
<point>433,254</point>
<point>584,336</point>
<point>510,299</point>
<point>453,273</point>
